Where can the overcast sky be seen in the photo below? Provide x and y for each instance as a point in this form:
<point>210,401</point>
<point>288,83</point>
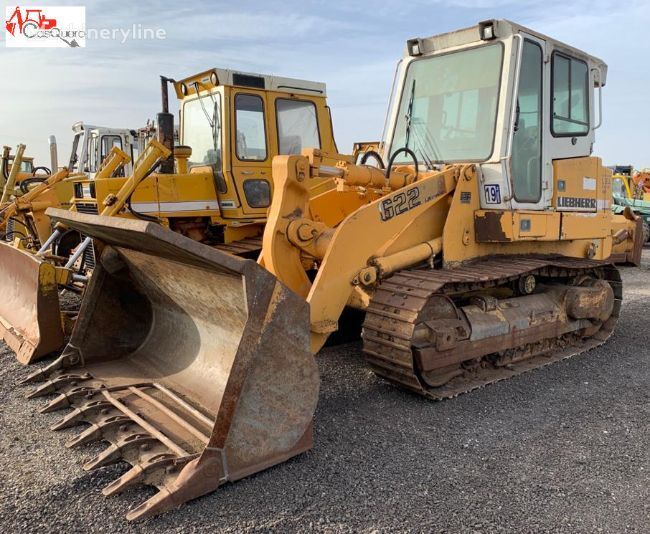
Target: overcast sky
<point>351,45</point>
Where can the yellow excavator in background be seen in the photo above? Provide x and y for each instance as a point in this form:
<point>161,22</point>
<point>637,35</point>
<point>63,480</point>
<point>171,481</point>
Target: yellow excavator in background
<point>215,188</point>
<point>479,248</point>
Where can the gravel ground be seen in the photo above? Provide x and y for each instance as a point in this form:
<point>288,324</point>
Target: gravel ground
<point>563,449</point>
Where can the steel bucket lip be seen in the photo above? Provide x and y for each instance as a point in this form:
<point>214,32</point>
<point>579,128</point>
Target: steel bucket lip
<point>150,238</point>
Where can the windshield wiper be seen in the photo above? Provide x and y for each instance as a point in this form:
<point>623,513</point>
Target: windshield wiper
<point>422,142</point>
<point>205,111</point>
<point>409,115</point>
<point>215,120</point>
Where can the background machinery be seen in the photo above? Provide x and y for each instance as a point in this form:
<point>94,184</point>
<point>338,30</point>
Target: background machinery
<point>631,190</point>
<point>479,248</point>
<point>214,188</point>
<point>232,124</point>
<point>90,146</point>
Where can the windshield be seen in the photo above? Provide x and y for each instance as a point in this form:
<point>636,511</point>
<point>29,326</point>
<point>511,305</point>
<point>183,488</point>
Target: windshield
<point>448,107</point>
<point>202,130</point>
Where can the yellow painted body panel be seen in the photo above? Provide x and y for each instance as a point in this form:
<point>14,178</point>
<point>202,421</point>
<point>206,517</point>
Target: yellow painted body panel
<point>581,184</point>
<point>516,226</point>
<point>581,238</point>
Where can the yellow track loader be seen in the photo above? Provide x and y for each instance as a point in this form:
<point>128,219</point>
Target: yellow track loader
<point>215,188</point>
<point>479,248</point>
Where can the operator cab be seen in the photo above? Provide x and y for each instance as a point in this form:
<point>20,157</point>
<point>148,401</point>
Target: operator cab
<point>91,145</point>
<point>236,122</point>
<point>509,99</point>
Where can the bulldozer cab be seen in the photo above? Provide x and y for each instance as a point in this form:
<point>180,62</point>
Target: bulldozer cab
<point>26,169</point>
<point>91,145</point>
<point>621,186</point>
<point>521,105</point>
<point>235,123</point>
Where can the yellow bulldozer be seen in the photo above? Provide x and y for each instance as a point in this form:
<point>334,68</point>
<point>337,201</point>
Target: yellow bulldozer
<point>232,125</point>
<point>479,248</point>
<point>215,188</point>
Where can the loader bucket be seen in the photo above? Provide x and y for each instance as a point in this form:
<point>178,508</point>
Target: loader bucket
<point>30,320</point>
<point>194,365</point>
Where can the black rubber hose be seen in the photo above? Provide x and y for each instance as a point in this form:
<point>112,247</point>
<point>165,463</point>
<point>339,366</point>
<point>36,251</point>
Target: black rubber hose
<point>24,185</point>
<point>137,214</point>
<point>375,155</point>
<point>394,156</point>
<point>47,170</point>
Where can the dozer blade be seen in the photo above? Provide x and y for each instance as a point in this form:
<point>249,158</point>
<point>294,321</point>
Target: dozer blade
<point>194,365</point>
<point>30,320</point>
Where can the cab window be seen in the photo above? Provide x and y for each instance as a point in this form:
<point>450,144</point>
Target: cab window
<point>297,125</point>
<point>108,142</point>
<point>570,102</point>
<point>527,137</point>
<point>251,133</point>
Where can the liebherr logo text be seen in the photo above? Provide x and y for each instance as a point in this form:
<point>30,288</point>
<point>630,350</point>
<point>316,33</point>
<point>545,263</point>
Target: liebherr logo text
<point>45,26</point>
<point>576,203</point>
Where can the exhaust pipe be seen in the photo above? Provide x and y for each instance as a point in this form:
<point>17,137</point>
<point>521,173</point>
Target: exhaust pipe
<point>54,158</point>
<point>165,122</point>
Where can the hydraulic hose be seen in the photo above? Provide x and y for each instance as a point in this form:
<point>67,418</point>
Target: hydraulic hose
<point>374,154</point>
<point>394,156</point>
<point>24,185</point>
<point>137,214</point>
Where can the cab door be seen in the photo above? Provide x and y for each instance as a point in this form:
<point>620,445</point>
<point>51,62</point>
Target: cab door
<point>251,154</point>
<point>530,170</point>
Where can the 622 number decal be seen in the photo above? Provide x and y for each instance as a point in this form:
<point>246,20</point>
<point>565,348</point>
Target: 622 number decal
<point>399,203</point>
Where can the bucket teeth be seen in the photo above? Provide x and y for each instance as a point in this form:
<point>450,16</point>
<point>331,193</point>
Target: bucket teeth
<point>52,386</point>
<point>97,431</point>
<point>160,502</point>
<point>115,452</point>
<point>62,362</point>
<point>157,467</point>
<point>83,414</point>
<point>65,400</point>
<point>182,481</point>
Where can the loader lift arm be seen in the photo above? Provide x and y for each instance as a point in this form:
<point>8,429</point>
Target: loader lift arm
<point>406,216</point>
<point>24,202</point>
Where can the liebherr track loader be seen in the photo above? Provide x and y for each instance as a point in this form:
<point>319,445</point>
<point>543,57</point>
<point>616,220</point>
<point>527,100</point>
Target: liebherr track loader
<point>215,187</point>
<point>479,247</point>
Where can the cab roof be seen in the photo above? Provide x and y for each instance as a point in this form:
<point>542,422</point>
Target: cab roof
<point>215,77</point>
<point>502,29</point>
